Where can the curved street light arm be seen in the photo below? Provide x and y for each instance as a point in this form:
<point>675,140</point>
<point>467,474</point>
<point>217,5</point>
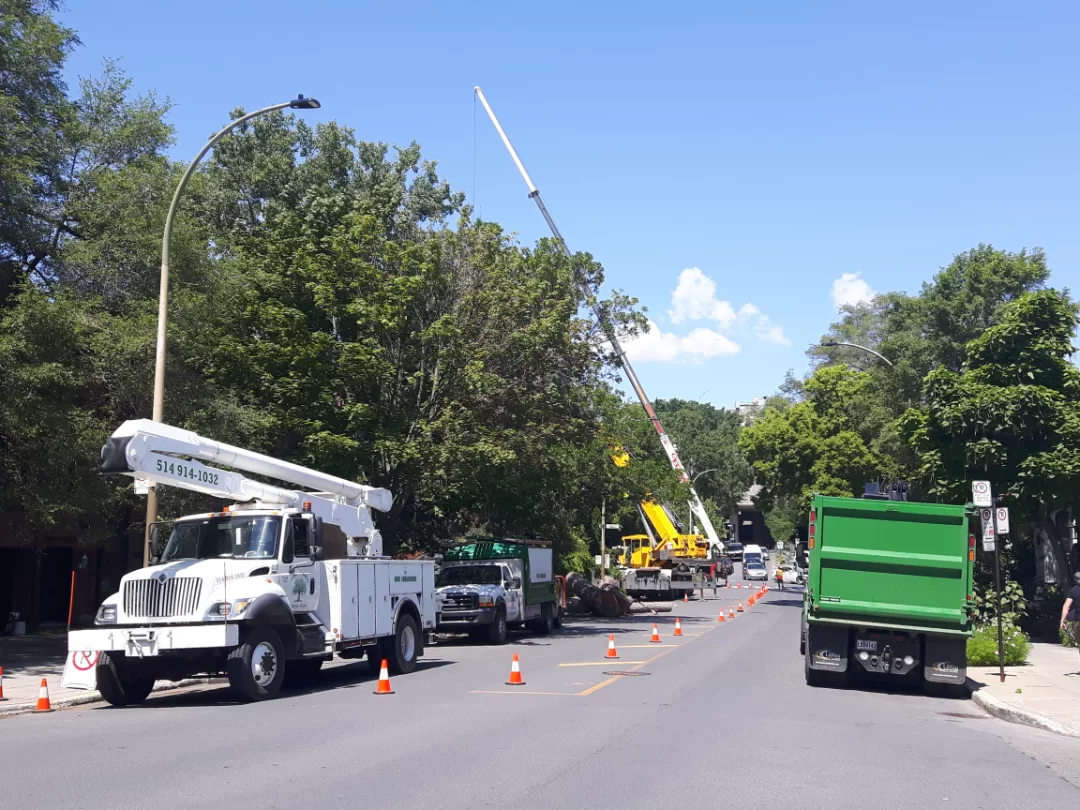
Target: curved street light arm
<point>831,343</point>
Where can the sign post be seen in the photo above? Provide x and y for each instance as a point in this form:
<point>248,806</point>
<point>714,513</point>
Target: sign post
<point>984,498</point>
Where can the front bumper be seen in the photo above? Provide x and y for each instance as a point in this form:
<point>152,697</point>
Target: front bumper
<point>458,620</point>
<point>140,642</point>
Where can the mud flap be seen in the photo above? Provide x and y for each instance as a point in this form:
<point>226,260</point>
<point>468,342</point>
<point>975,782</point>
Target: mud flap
<point>945,659</point>
<point>80,670</point>
<point>827,647</point>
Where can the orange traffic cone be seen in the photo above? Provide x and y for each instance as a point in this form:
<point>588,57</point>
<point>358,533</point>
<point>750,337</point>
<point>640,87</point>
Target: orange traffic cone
<point>685,597</point>
<point>727,585</point>
<point>515,672</point>
<point>751,600</point>
<point>43,704</point>
<point>2,684</point>
<point>611,647</point>
<point>383,687</point>
<point>731,613</point>
<point>655,635</point>
<point>739,608</point>
<point>678,627</point>
<point>720,618</point>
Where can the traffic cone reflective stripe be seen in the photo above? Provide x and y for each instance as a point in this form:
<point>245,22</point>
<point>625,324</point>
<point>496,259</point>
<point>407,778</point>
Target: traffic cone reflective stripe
<point>655,635</point>
<point>515,672</point>
<point>43,704</point>
<point>383,687</point>
<point>611,653</point>
<point>678,627</point>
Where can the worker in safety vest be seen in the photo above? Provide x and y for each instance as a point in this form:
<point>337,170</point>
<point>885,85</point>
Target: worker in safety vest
<point>779,579</point>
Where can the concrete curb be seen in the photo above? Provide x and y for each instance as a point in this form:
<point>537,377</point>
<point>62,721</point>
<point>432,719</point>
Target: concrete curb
<point>1013,714</point>
<point>95,697</point>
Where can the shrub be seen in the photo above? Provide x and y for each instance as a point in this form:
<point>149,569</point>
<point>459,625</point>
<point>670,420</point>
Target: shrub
<point>982,646</point>
<point>1066,638</point>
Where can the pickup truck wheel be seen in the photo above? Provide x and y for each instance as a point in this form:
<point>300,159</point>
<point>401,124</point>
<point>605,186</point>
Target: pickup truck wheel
<point>403,649</point>
<point>545,624</point>
<point>117,685</point>
<point>256,668</point>
<point>497,628</point>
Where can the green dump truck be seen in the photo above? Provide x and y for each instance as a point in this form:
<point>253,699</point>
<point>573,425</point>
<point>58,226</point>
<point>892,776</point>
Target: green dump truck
<point>490,584</point>
<point>889,593</point>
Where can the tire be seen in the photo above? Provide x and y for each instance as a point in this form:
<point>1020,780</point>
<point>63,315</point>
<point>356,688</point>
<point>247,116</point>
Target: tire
<point>256,668</point>
<point>403,649</point>
<point>546,623</point>
<point>116,684</point>
<point>819,678</point>
<point>802,637</point>
<point>556,617</point>
<point>302,671</point>
<point>496,632</point>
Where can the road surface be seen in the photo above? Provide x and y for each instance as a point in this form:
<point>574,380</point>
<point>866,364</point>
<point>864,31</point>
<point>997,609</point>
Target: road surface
<point>718,718</point>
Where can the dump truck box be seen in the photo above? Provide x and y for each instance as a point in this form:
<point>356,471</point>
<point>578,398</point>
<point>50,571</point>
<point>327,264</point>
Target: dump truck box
<point>889,589</point>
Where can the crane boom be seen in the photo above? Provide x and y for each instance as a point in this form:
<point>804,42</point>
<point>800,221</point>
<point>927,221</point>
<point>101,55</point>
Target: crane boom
<point>152,451</point>
<point>696,505</point>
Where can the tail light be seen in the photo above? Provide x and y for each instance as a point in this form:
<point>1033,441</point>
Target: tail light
<point>971,548</point>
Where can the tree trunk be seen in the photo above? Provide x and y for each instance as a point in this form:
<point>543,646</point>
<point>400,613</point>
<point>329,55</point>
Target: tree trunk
<point>1049,524</point>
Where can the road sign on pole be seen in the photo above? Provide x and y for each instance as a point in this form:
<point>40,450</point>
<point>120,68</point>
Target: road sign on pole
<point>986,516</point>
<point>980,493</point>
<point>1002,520</point>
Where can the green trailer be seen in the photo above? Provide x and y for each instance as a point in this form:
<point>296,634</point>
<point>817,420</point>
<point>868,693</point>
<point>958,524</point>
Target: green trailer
<point>889,593</point>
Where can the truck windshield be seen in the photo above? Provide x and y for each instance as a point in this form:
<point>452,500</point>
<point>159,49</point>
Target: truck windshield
<point>469,575</point>
<point>252,537</point>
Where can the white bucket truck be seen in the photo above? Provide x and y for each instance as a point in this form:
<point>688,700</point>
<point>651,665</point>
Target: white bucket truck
<point>268,588</point>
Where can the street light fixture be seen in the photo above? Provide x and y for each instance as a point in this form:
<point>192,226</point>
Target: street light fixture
<point>833,343</point>
<point>298,103</point>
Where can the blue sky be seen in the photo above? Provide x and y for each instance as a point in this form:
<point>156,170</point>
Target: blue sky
<point>738,167</point>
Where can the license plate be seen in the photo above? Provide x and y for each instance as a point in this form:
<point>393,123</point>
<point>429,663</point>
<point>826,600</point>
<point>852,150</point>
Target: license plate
<point>866,644</point>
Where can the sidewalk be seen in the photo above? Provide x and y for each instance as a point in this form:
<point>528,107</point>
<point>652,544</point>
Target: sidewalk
<point>28,659</point>
<point>1044,694</point>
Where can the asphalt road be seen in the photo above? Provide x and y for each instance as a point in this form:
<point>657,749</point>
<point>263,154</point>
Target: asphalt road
<point>720,717</point>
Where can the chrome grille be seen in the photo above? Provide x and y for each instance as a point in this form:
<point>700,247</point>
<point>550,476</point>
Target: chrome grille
<point>454,602</point>
<point>150,599</point>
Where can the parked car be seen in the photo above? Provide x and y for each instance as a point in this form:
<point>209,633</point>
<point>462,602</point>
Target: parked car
<point>793,575</point>
<point>735,551</point>
<point>755,571</point>
<point>725,567</point>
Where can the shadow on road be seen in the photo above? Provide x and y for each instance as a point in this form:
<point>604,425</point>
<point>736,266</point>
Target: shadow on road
<point>348,676</point>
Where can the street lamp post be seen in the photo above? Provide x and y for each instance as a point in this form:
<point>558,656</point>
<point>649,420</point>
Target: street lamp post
<point>298,103</point>
<point>833,343</point>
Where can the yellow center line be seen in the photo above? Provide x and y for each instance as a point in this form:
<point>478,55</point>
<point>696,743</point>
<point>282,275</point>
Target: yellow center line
<point>635,668</point>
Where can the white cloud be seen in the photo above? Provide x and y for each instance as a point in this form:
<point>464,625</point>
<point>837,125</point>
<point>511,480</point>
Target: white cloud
<point>666,347</point>
<point>695,299</point>
<point>850,289</point>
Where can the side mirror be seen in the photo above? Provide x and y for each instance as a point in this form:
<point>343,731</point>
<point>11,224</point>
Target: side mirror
<point>159,537</point>
<point>316,553</point>
<point>515,582</point>
<point>316,539</point>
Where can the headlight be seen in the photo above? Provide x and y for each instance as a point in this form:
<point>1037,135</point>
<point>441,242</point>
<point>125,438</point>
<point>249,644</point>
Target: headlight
<point>106,614</point>
<point>226,610</point>
<point>487,601</point>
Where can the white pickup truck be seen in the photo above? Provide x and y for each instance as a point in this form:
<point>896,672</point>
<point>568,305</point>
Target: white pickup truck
<point>268,588</point>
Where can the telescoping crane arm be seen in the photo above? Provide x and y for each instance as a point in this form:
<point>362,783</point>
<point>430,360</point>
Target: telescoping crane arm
<point>609,333</point>
<point>156,452</point>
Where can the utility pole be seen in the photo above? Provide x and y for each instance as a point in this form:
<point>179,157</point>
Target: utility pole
<point>603,538</point>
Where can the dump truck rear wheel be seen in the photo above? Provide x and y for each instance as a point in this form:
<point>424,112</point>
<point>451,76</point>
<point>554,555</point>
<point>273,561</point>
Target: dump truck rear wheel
<point>116,684</point>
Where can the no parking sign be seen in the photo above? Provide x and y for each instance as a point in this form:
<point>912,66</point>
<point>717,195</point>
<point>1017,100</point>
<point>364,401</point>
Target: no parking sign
<point>80,670</point>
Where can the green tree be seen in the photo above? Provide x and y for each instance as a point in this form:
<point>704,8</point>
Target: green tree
<point>1011,415</point>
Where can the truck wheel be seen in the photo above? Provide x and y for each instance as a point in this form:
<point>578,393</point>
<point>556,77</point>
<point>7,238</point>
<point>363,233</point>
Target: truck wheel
<point>556,617</point>
<point>402,650</point>
<point>545,624</point>
<point>116,684</point>
<point>256,668</point>
<point>497,628</point>
<point>802,637</point>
